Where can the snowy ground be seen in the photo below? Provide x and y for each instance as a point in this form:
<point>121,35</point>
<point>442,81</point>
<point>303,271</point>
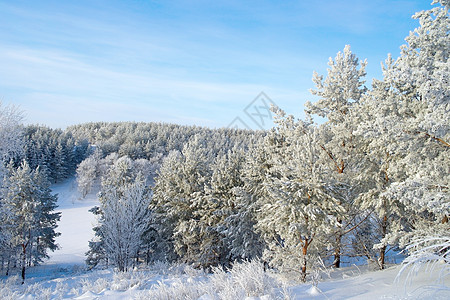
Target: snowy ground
<point>75,225</point>
<point>64,276</point>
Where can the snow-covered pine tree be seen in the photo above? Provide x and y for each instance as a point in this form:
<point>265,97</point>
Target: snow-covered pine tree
<point>61,168</point>
<point>341,89</point>
<point>165,192</point>
<point>97,252</point>
<point>381,170</point>
<point>29,218</point>
<point>405,121</point>
<point>124,215</point>
<point>339,92</point>
<point>425,61</point>
<point>192,226</point>
<point>227,238</point>
<point>181,200</point>
<point>47,217</point>
<point>11,146</point>
<point>239,226</point>
<point>300,209</point>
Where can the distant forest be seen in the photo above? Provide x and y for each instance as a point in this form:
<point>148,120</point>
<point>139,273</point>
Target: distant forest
<point>59,152</point>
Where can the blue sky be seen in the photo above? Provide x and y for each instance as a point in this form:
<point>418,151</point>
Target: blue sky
<point>185,62</point>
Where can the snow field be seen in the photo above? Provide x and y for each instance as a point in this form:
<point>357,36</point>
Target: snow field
<point>75,225</point>
<point>247,281</point>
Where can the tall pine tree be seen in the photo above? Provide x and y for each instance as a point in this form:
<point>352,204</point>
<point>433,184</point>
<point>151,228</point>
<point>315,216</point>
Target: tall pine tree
<point>29,218</point>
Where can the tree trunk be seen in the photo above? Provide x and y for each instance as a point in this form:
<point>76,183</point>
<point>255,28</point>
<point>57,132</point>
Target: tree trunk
<point>382,258</point>
<point>8,266</point>
<point>23,274</point>
<point>304,252</point>
<point>29,254</point>
<point>337,252</point>
<point>24,261</point>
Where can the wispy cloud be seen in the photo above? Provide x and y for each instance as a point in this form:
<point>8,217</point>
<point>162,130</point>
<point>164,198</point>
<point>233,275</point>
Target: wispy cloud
<point>57,82</point>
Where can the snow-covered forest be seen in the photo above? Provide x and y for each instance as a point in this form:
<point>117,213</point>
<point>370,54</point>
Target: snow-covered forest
<point>364,179</point>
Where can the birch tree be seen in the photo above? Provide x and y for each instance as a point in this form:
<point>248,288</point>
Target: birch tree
<point>11,142</point>
<point>124,215</point>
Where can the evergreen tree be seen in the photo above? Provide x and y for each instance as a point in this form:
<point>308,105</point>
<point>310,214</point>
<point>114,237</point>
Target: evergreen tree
<point>339,93</point>
<point>244,185</point>
<point>405,123</point>
<point>301,208</point>
<point>222,244</point>
<point>60,167</point>
<point>182,201</point>
<point>165,192</point>
<point>29,218</point>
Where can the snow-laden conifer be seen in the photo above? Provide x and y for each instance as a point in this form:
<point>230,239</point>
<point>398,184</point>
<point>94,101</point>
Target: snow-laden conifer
<point>237,211</point>
<point>405,122</point>
<point>300,209</point>
<point>339,93</point>
<point>182,203</point>
<point>28,220</point>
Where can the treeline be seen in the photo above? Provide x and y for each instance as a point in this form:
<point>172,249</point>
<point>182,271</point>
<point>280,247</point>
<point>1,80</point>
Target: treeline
<point>147,144</point>
<point>149,140</point>
<point>374,176</point>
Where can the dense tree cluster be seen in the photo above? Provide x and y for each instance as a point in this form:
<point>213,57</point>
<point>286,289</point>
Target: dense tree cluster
<point>27,219</point>
<point>54,151</point>
<point>202,152</point>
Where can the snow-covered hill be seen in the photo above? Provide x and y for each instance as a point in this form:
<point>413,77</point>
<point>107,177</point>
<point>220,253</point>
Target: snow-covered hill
<point>64,276</point>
